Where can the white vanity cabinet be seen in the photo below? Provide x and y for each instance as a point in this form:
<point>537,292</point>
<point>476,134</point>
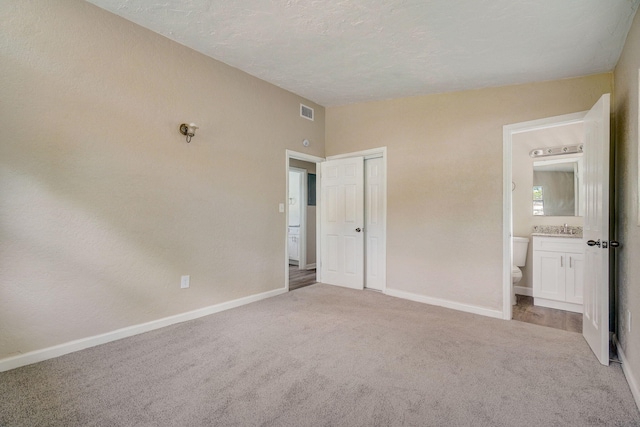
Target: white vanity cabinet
<point>294,245</point>
<point>558,272</point>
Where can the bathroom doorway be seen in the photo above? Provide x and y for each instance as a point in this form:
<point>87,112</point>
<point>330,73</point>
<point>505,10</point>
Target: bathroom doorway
<point>546,196</point>
<point>518,201</point>
<point>554,256</point>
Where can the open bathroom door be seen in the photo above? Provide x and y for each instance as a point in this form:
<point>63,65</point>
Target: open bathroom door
<point>342,216</point>
<point>595,323</point>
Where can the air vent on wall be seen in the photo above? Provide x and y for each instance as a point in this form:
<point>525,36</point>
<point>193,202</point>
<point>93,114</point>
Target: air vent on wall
<point>306,112</point>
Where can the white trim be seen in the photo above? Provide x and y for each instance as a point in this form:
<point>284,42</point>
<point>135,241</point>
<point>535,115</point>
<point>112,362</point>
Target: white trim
<point>497,314</point>
<point>304,157</point>
<point>634,385</point>
<point>81,344</point>
<point>310,266</point>
<point>507,220</point>
<point>370,153</point>
<point>523,290</point>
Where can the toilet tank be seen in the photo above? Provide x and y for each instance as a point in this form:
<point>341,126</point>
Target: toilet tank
<point>520,246</point>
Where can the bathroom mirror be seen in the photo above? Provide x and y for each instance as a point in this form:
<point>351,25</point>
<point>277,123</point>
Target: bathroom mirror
<point>557,187</point>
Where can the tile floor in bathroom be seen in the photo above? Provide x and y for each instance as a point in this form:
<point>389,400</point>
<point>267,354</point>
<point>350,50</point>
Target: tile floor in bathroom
<point>525,311</point>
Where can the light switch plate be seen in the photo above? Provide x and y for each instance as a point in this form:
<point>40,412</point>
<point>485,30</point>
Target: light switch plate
<point>184,282</point>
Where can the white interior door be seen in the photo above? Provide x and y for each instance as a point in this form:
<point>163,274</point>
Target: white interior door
<point>374,229</point>
<point>595,324</point>
<point>342,239</point>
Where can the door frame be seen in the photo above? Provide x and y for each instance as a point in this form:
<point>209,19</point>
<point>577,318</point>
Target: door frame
<point>508,131</point>
<point>367,154</point>
<point>290,154</point>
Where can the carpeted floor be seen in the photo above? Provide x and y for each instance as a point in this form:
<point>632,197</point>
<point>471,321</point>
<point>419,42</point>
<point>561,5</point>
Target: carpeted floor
<point>326,356</point>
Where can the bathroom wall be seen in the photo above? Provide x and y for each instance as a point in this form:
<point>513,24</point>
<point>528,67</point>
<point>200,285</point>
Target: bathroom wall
<point>311,213</point>
<point>522,170</point>
<point>103,205</point>
<point>444,223</point>
<point>625,106</point>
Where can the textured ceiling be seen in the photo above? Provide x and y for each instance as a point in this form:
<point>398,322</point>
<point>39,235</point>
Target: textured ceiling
<point>338,52</point>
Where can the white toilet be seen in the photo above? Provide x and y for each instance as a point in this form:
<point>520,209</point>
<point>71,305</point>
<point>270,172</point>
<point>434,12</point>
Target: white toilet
<point>520,246</point>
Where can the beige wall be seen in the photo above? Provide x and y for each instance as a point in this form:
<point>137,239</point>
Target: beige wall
<point>445,178</point>
<point>627,231</point>
<point>522,174</point>
<point>103,205</point>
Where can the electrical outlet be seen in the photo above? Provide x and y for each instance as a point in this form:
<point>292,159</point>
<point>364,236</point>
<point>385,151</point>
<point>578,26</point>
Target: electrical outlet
<point>628,320</point>
<point>184,282</point>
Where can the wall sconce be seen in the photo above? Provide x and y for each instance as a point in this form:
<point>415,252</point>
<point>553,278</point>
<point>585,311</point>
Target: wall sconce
<point>189,130</point>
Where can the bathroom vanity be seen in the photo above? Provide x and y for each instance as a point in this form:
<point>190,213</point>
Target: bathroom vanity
<point>293,245</point>
<point>558,271</point>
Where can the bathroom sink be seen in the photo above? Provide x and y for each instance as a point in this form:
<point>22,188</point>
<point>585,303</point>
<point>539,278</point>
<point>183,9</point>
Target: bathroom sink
<point>574,236</point>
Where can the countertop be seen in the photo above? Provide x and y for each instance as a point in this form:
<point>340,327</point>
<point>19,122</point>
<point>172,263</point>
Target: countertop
<point>565,235</point>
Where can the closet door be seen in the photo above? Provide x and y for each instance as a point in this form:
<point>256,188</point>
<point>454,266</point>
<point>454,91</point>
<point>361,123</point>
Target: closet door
<point>342,239</point>
<point>374,229</point>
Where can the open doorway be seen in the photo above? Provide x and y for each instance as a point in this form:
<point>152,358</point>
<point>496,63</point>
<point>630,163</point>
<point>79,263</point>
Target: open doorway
<point>510,196</point>
<point>569,270</point>
<point>548,199</point>
<point>301,220</point>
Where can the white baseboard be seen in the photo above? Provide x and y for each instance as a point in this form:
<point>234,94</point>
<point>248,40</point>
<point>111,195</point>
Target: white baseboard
<point>72,346</point>
<point>444,303</point>
<point>523,290</point>
<point>634,385</point>
<point>310,266</point>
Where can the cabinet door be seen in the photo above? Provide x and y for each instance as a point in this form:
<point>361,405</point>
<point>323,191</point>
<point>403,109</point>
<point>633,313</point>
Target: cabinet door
<point>294,250</point>
<point>574,277</point>
<point>549,275</point>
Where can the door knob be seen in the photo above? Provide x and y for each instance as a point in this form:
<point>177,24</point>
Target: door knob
<point>358,229</point>
<point>593,243</point>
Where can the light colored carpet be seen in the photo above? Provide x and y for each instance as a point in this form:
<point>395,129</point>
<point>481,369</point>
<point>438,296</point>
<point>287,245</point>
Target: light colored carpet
<point>326,356</point>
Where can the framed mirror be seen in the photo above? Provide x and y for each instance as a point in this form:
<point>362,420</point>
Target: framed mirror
<point>557,187</point>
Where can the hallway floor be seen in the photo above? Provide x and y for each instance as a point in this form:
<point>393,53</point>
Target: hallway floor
<point>300,278</point>
<point>525,311</point>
